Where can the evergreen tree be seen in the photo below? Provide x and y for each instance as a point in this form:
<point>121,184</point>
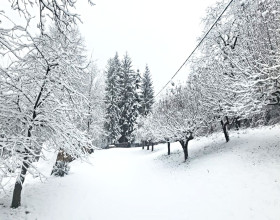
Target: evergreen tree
<point>128,104</point>
<point>122,99</point>
<point>112,91</point>
<point>138,91</point>
<point>147,96</point>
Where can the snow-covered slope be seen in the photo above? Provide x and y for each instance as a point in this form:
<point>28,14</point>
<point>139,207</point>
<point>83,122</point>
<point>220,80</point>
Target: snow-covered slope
<point>235,180</point>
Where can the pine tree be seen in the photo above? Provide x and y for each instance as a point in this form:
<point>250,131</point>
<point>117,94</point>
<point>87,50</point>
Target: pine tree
<point>147,96</point>
<point>112,99</point>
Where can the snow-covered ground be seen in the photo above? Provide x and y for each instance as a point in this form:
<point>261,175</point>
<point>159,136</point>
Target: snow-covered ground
<point>235,180</point>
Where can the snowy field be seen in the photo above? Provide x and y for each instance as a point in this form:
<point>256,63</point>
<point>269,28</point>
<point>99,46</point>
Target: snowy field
<point>235,180</point>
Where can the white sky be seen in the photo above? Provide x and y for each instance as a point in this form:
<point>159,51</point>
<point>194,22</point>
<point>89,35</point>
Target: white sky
<point>159,33</point>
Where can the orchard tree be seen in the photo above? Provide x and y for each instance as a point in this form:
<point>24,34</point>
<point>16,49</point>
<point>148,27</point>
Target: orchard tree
<point>145,132</point>
<point>251,54</point>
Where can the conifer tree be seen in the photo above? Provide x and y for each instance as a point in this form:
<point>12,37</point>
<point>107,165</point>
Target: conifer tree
<point>128,104</point>
<point>147,96</point>
<point>138,91</point>
<point>112,91</point>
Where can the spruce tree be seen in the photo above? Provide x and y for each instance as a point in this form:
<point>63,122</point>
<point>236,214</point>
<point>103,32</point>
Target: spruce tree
<point>128,104</point>
<point>112,99</point>
<point>138,92</point>
<point>147,96</point>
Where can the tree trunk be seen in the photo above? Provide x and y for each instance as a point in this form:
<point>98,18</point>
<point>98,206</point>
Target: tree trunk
<point>152,146</point>
<point>18,185</point>
<point>168,148</point>
<point>16,201</point>
<point>224,126</point>
<point>25,165</point>
<point>186,153</point>
<point>148,145</point>
<point>185,148</point>
<point>185,144</point>
<point>143,145</point>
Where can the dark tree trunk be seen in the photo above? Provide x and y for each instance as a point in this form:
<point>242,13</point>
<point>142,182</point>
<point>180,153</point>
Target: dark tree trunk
<point>20,180</point>
<point>18,185</point>
<point>224,126</point>
<point>168,148</point>
<point>152,146</point>
<point>148,145</point>
<point>186,153</point>
<point>184,144</point>
<point>143,145</point>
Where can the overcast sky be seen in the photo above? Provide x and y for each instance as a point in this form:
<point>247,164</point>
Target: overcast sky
<point>159,33</point>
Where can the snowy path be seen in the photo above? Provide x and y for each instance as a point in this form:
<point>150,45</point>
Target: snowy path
<point>238,180</point>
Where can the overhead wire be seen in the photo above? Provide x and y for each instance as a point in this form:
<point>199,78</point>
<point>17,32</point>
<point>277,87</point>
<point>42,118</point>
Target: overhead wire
<point>193,51</point>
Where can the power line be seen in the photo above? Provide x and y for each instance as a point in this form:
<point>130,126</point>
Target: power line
<point>200,42</point>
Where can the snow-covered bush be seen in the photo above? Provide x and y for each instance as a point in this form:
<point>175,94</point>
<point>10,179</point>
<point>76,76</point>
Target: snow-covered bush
<point>61,168</point>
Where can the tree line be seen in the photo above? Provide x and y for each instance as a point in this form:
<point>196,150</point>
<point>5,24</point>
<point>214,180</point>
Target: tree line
<point>126,96</point>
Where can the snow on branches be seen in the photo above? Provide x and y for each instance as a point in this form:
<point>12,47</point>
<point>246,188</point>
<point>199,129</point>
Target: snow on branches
<point>233,81</point>
<point>42,100</point>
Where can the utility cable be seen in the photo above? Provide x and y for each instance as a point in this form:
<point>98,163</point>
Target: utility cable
<point>197,46</point>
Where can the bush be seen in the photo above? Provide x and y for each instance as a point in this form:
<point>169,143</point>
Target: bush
<point>60,168</point>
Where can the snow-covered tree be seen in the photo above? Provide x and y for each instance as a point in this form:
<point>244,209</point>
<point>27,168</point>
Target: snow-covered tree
<point>112,99</point>
<point>234,78</point>
<point>42,101</point>
<point>34,17</point>
<point>128,104</point>
<point>237,66</point>
<point>40,90</point>
<point>147,92</point>
<point>123,99</point>
<point>94,116</point>
<point>244,47</point>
